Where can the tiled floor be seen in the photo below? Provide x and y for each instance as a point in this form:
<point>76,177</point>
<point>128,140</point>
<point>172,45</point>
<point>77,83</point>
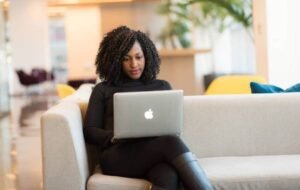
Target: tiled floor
<point>20,144</point>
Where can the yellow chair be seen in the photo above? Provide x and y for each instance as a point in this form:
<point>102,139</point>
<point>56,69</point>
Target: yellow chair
<point>64,90</point>
<point>233,84</point>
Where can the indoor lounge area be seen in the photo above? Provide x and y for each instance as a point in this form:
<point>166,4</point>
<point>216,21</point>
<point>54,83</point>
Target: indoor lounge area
<point>236,62</point>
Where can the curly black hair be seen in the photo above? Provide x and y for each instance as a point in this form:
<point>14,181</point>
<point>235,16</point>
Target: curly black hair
<point>115,46</point>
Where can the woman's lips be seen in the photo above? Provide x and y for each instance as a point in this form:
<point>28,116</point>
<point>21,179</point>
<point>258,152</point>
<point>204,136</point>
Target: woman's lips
<point>135,72</point>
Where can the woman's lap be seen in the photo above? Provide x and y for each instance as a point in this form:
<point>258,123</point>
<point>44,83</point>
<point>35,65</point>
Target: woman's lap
<point>136,157</point>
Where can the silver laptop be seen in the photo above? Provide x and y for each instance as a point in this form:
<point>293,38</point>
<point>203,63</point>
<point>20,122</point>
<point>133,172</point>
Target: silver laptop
<point>148,113</point>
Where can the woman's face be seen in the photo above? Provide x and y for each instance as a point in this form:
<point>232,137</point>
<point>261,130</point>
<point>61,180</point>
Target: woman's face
<point>134,62</point>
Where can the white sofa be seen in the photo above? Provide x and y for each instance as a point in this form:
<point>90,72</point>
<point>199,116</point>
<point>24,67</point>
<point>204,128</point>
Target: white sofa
<point>244,142</point>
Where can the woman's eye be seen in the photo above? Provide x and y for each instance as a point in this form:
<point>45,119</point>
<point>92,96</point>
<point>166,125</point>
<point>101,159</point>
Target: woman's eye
<point>125,59</point>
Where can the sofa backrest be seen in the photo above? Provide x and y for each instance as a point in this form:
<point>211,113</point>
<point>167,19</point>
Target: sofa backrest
<point>240,125</point>
<point>236,125</point>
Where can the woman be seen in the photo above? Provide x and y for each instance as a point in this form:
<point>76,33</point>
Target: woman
<point>127,61</point>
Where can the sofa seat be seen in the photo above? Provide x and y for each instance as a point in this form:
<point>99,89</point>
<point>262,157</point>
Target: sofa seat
<point>104,182</point>
<point>274,172</point>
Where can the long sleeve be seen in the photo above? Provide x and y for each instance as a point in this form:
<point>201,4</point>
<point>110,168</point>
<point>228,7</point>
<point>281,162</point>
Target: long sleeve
<point>94,131</point>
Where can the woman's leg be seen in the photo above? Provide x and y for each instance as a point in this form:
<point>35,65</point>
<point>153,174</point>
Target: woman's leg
<point>135,158</point>
<point>163,176</point>
<point>190,172</point>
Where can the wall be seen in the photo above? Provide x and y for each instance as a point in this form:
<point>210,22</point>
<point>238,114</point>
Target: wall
<point>283,41</point>
<point>137,15</point>
<point>28,28</point>
<point>82,25</point>
<point>277,40</point>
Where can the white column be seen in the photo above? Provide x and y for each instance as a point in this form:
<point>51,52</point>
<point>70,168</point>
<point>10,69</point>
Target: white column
<point>4,106</point>
<point>277,40</point>
<point>283,41</point>
<point>260,37</point>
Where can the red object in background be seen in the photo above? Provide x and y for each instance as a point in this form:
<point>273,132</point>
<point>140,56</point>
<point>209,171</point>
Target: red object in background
<point>35,77</point>
<point>76,83</point>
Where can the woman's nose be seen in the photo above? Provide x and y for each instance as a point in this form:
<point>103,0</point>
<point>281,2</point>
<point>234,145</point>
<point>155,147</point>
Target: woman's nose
<point>134,63</point>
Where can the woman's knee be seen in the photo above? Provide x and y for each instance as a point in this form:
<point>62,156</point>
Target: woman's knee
<point>170,140</point>
<point>172,145</point>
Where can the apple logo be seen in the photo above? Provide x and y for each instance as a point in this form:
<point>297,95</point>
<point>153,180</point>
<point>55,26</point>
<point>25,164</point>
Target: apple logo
<point>148,114</point>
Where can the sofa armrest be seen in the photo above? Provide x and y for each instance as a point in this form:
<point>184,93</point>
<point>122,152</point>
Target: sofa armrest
<point>64,155</point>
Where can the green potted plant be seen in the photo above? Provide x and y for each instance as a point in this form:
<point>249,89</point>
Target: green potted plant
<point>183,15</point>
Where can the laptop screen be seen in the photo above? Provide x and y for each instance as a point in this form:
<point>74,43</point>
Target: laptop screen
<point>148,113</point>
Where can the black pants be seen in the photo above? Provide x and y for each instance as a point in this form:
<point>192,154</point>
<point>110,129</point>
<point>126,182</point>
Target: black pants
<point>148,158</point>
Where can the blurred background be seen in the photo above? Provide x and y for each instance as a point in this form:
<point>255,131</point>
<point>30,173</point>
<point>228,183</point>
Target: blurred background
<point>45,43</point>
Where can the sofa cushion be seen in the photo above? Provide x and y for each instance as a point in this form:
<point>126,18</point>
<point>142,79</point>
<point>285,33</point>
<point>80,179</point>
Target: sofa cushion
<point>253,172</point>
<point>268,88</point>
<point>294,88</point>
<point>264,88</point>
<point>226,173</point>
<point>105,182</point>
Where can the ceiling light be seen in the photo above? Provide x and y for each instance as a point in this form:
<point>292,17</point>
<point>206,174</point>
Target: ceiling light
<point>78,2</point>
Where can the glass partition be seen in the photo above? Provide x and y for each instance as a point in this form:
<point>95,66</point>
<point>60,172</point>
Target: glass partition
<point>4,59</point>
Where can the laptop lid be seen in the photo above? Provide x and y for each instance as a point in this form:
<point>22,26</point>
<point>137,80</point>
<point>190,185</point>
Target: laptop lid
<point>148,113</point>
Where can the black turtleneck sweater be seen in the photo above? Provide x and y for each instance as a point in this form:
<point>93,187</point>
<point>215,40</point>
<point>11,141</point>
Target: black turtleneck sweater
<point>98,125</point>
